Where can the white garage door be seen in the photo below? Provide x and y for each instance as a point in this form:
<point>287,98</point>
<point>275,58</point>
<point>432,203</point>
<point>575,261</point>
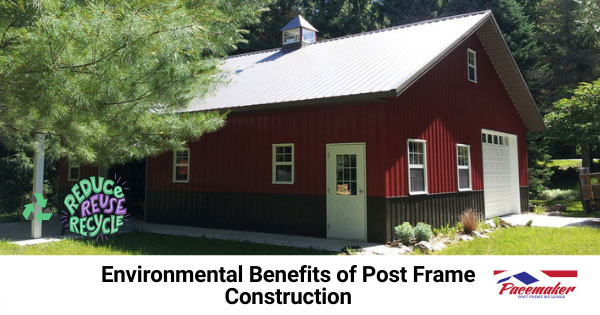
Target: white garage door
<point>500,173</point>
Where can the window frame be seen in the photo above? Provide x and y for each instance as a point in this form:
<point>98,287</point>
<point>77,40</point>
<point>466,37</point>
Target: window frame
<point>300,36</point>
<point>423,166</point>
<point>474,65</point>
<point>459,167</point>
<point>274,163</point>
<point>175,165</point>
<point>307,32</point>
<point>71,165</point>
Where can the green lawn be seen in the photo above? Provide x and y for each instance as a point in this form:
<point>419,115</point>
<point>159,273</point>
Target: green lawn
<point>564,164</point>
<point>139,243</point>
<point>6,217</point>
<point>531,241</point>
<point>574,208</point>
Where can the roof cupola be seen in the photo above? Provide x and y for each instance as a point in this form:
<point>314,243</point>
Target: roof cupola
<point>297,32</point>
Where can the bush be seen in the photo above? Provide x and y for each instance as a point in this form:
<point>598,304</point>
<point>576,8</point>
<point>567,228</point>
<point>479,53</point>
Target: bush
<point>443,230</point>
<point>484,226</point>
<point>404,233</point>
<point>469,220</point>
<point>538,209</point>
<point>422,232</point>
<point>452,233</point>
<point>497,222</point>
<point>560,194</point>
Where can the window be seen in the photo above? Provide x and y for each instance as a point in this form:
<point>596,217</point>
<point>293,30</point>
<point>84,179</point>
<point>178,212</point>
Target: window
<point>283,163</point>
<point>494,139</point>
<point>181,166</point>
<point>472,65</point>
<point>463,164</point>
<point>345,167</point>
<point>73,171</point>
<point>308,36</point>
<point>417,166</point>
<point>291,36</point>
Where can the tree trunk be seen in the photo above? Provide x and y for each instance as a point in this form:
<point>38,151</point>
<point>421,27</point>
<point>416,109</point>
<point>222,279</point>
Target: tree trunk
<point>586,158</point>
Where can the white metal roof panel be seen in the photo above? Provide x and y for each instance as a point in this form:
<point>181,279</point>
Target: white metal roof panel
<point>372,62</point>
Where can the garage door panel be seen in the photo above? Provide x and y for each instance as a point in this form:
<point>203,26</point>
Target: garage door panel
<point>500,177</point>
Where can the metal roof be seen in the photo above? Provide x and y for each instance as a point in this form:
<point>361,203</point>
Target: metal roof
<point>298,21</point>
<point>375,64</point>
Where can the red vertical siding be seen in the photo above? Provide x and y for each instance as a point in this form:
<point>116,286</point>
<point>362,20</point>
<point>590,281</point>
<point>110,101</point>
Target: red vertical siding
<point>442,107</point>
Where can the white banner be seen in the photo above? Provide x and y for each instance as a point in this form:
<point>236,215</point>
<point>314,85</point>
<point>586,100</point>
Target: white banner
<point>366,284</point>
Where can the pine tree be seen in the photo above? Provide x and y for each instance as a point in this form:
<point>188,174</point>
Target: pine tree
<point>103,79</point>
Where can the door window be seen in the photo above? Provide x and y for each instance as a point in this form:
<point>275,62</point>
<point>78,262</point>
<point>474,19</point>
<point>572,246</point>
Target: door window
<point>345,174</point>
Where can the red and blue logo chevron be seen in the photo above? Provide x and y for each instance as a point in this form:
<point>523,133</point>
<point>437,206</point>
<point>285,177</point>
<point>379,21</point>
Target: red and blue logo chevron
<point>536,284</point>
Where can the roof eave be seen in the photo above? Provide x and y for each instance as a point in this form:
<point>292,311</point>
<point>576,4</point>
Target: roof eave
<point>531,115</point>
<point>334,100</point>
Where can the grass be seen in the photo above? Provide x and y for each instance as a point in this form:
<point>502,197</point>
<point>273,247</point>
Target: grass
<point>574,208</point>
<point>531,241</point>
<point>6,217</point>
<point>565,164</point>
<point>15,216</point>
<point>140,243</point>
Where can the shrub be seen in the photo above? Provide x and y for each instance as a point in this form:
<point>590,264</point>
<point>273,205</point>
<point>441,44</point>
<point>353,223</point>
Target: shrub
<point>422,232</point>
<point>484,226</point>
<point>404,233</point>
<point>469,220</point>
<point>497,222</point>
<point>538,209</point>
<point>560,194</point>
<point>443,230</point>
<point>528,224</point>
<point>452,233</point>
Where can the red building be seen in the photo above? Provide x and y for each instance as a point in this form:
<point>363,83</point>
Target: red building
<point>348,137</point>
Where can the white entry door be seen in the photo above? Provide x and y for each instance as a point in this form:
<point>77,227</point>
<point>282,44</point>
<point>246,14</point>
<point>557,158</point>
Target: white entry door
<point>346,191</point>
<point>500,173</point>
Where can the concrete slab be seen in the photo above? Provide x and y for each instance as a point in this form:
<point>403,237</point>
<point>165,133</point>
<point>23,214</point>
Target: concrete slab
<point>20,231</point>
<point>550,221</point>
<point>38,241</point>
<point>257,237</point>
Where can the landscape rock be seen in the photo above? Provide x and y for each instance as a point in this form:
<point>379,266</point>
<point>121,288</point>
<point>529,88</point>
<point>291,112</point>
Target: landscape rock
<point>447,241</point>
<point>479,235</point>
<point>557,207</point>
<point>424,246</point>
<point>491,224</point>
<point>554,213</point>
<point>438,246</point>
<point>466,238</point>
<point>487,231</point>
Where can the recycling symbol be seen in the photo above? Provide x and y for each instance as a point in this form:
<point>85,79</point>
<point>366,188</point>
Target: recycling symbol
<point>40,201</point>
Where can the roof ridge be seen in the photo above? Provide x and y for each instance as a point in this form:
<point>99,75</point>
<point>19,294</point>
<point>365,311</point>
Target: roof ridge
<point>391,28</point>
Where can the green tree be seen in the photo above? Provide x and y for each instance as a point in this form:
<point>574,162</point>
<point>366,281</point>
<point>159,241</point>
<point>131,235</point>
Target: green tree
<point>569,35</point>
<point>340,18</point>
<point>516,26</point>
<point>331,18</point>
<point>576,120</point>
<point>103,79</point>
<point>393,12</point>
